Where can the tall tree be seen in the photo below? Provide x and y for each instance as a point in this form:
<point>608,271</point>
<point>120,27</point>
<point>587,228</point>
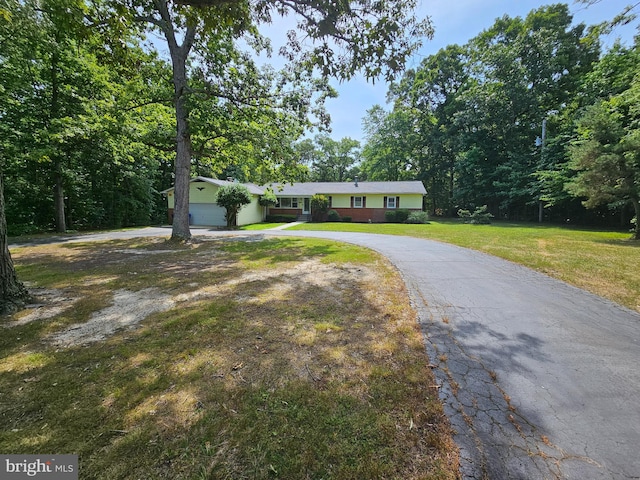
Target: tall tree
<point>433,92</point>
<point>523,69</point>
<point>335,161</point>
<point>606,154</point>
<point>347,37</point>
<point>389,153</point>
<point>611,75</point>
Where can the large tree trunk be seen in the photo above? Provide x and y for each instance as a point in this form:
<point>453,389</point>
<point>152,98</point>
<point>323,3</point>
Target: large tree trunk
<point>58,190</point>
<point>181,229</point>
<point>13,294</point>
<point>58,201</point>
<point>179,55</point>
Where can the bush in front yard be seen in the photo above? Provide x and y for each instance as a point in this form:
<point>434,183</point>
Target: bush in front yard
<point>319,207</point>
<point>333,216</point>
<point>480,216</point>
<point>396,216</point>
<point>390,216</point>
<point>418,217</point>
<point>280,218</point>
<point>233,197</point>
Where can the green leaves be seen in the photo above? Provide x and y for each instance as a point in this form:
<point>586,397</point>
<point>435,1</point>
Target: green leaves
<point>348,37</point>
<point>606,156</point>
<point>330,160</point>
<point>232,197</point>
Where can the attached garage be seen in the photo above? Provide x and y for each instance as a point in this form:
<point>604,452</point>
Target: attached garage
<point>207,214</point>
<point>203,211</point>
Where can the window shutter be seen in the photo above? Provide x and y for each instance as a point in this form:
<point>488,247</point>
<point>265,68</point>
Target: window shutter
<point>351,202</point>
<point>385,202</point>
<point>330,201</point>
<point>364,202</point>
<point>397,202</point>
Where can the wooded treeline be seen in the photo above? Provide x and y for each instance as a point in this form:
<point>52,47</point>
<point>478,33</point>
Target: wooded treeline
<point>87,137</point>
<point>469,120</point>
<point>88,130</point>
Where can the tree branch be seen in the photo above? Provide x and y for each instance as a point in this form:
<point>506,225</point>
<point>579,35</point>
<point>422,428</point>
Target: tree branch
<point>248,101</point>
<point>151,19</point>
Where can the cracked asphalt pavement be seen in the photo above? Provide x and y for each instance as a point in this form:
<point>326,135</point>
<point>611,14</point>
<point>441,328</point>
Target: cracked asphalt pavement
<point>539,379</point>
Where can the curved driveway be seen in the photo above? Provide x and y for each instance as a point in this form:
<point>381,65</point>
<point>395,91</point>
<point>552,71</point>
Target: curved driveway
<point>539,379</point>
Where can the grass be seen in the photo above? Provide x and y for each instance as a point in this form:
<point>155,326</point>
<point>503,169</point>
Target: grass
<point>602,262</point>
<point>261,226</point>
<point>280,358</point>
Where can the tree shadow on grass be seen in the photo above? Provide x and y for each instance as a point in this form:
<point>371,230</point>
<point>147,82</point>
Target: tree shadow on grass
<point>628,242</point>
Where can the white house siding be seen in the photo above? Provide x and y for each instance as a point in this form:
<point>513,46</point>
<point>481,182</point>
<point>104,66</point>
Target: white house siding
<point>252,213</point>
<point>407,200</point>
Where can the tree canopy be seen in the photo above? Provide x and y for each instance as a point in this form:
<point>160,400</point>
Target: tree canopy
<point>469,122</point>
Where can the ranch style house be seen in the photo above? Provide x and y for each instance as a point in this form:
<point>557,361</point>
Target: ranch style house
<point>362,201</point>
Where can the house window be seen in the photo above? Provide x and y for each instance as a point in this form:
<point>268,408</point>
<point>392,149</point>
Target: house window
<point>294,203</point>
<point>284,203</point>
<point>357,202</point>
<point>391,202</point>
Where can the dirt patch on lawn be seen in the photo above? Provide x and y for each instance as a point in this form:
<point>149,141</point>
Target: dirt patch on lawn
<point>129,308</point>
<point>49,302</point>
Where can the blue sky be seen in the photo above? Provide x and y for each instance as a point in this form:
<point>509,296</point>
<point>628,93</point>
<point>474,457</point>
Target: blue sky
<point>455,22</point>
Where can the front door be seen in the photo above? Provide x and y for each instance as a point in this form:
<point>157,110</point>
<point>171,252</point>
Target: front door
<point>306,206</point>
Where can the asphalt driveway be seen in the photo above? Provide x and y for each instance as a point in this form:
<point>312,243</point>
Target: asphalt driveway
<point>539,379</point>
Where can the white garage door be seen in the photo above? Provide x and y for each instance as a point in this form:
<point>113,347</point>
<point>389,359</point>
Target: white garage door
<point>208,214</point>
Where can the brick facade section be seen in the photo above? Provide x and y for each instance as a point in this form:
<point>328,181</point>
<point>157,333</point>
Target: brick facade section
<point>365,215</point>
<point>361,215</point>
